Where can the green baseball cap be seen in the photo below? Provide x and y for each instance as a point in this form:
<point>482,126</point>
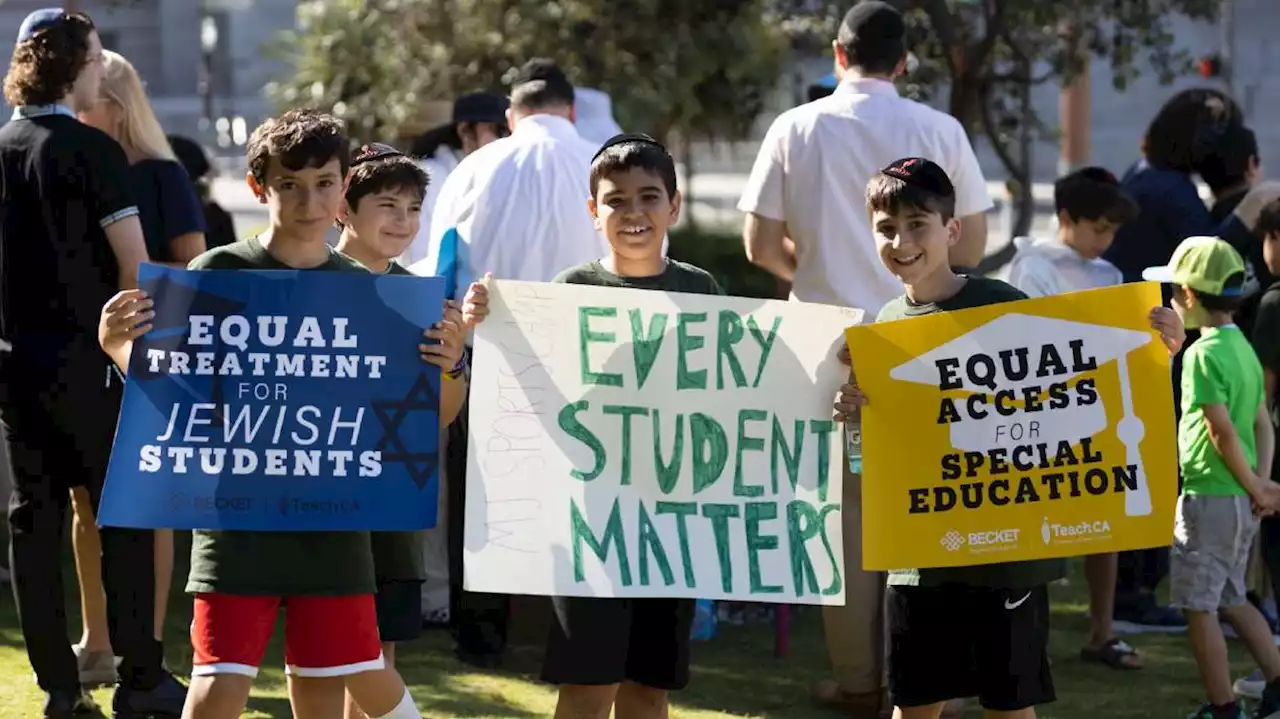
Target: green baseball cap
<point>1204,264</point>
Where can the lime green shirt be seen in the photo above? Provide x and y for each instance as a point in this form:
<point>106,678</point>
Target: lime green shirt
<point>1219,368</point>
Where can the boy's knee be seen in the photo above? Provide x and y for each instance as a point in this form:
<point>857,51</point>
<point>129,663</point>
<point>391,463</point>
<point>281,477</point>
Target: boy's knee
<point>931,711</point>
<point>217,696</point>
<point>585,701</point>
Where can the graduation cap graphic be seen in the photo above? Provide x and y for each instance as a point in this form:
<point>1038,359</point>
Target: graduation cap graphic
<point>1018,332</point>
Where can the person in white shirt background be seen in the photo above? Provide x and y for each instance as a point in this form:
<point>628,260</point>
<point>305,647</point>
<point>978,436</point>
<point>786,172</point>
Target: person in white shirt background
<point>477,119</point>
<point>807,224</point>
<point>517,209</point>
<point>593,112</point>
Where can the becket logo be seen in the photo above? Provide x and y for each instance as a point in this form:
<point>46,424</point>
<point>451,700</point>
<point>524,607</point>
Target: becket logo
<point>993,538</point>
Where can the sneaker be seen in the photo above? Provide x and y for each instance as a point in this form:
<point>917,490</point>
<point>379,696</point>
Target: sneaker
<point>67,705</point>
<point>1268,707</point>
<point>1206,712</point>
<point>1250,687</point>
<point>97,669</point>
<point>164,701</point>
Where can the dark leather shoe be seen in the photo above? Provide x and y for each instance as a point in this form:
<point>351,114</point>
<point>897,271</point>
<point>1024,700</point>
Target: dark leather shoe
<point>66,705</point>
<point>164,701</point>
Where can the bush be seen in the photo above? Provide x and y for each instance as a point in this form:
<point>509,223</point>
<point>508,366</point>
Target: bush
<point>721,254</point>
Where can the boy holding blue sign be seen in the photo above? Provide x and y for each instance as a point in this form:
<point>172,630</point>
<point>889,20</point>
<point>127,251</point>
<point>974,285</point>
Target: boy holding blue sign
<point>626,653</point>
<point>379,217</point>
<point>325,579</point>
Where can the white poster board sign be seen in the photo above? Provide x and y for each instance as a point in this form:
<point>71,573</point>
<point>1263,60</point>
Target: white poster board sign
<point>632,443</point>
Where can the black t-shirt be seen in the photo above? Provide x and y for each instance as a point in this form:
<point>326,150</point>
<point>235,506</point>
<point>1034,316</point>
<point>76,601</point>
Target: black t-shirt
<point>61,183</point>
<point>675,277</point>
<point>1266,342</point>
<point>167,205</point>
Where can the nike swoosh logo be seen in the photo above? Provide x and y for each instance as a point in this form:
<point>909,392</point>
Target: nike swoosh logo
<point>1015,605</point>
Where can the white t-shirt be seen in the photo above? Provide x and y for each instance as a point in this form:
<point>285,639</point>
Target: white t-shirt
<point>1046,267</point>
<point>812,173</point>
<point>438,167</point>
<point>517,208</point>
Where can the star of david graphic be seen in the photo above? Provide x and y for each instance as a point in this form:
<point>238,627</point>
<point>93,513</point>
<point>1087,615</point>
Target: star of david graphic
<point>391,413</point>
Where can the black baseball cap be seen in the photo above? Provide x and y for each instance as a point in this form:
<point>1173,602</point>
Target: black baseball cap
<point>480,107</point>
<point>541,69</point>
<point>921,173</point>
<point>871,28</point>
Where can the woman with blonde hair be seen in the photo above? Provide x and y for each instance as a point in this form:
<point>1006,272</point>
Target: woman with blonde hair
<point>174,227</point>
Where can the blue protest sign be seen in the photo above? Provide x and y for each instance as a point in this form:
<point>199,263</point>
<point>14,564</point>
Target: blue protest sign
<point>279,401</point>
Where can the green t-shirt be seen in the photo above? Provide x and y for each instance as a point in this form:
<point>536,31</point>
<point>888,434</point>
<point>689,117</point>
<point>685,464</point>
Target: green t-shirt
<point>397,556</point>
<point>675,277</point>
<point>1218,368</point>
<point>976,292</point>
<point>277,563</point>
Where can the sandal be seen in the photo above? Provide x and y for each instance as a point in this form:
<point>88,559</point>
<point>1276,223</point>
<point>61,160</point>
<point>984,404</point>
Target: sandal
<point>1116,653</point>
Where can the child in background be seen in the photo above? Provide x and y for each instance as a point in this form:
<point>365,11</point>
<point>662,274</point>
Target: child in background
<point>325,580</point>
<point>1091,206</point>
<point>1000,652</point>
<point>1266,342</point>
<point>627,653</point>
<point>1225,450</point>
<point>379,217</point>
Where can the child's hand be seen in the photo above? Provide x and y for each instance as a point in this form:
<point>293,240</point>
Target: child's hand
<point>448,333</point>
<point>1167,322</point>
<point>1266,496</point>
<point>850,401</point>
<point>842,354</point>
<point>475,306</point>
<point>124,318</point>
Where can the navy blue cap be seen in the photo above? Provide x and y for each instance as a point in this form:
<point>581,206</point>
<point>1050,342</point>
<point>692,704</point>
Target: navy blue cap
<point>40,20</point>
<point>373,151</point>
<point>627,137</point>
<point>480,107</point>
<point>922,173</point>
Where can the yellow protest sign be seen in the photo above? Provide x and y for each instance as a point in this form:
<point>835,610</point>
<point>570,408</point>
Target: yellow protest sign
<point>1022,430</point>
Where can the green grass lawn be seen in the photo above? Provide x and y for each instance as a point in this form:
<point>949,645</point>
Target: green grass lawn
<point>735,675</point>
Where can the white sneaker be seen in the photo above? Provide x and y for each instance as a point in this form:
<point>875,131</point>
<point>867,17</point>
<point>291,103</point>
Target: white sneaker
<point>1250,687</point>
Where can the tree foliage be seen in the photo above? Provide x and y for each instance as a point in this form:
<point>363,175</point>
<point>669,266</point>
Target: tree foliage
<point>700,67</point>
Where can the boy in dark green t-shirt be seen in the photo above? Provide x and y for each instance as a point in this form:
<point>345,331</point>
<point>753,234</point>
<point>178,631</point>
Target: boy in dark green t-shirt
<point>324,580</point>
<point>626,654</point>
<point>1225,448</point>
<point>379,217</point>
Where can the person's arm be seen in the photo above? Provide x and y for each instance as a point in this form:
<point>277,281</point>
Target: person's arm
<point>764,232</point>
<point>768,246</point>
<point>972,200</point>
<point>1225,440</point>
<point>1238,227</point>
<point>127,244</point>
<point>1264,436</point>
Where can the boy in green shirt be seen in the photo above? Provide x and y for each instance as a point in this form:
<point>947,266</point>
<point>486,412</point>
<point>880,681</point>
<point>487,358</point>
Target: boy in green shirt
<point>379,217</point>
<point>625,655</point>
<point>999,652</point>
<point>325,580</point>
<point>1225,449</point>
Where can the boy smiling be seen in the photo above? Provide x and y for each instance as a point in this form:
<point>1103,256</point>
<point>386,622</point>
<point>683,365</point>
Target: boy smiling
<point>627,653</point>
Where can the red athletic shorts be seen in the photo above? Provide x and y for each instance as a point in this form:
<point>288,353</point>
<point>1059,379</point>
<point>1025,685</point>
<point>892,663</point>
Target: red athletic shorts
<point>323,636</point>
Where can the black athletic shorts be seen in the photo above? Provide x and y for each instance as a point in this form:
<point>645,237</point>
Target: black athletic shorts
<point>608,641</point>
<point>958,641</point>
<point>399,606</point>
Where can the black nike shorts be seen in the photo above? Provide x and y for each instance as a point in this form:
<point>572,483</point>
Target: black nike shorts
<point>959,641</point>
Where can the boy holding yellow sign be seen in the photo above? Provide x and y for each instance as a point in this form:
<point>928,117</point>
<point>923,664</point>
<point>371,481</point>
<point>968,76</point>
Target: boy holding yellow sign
<point>999,651</point>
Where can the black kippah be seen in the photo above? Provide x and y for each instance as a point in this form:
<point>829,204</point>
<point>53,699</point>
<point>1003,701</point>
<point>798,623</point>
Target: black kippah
<point>373,151</point>
<point>922,173</point>
<point>625,138</point>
